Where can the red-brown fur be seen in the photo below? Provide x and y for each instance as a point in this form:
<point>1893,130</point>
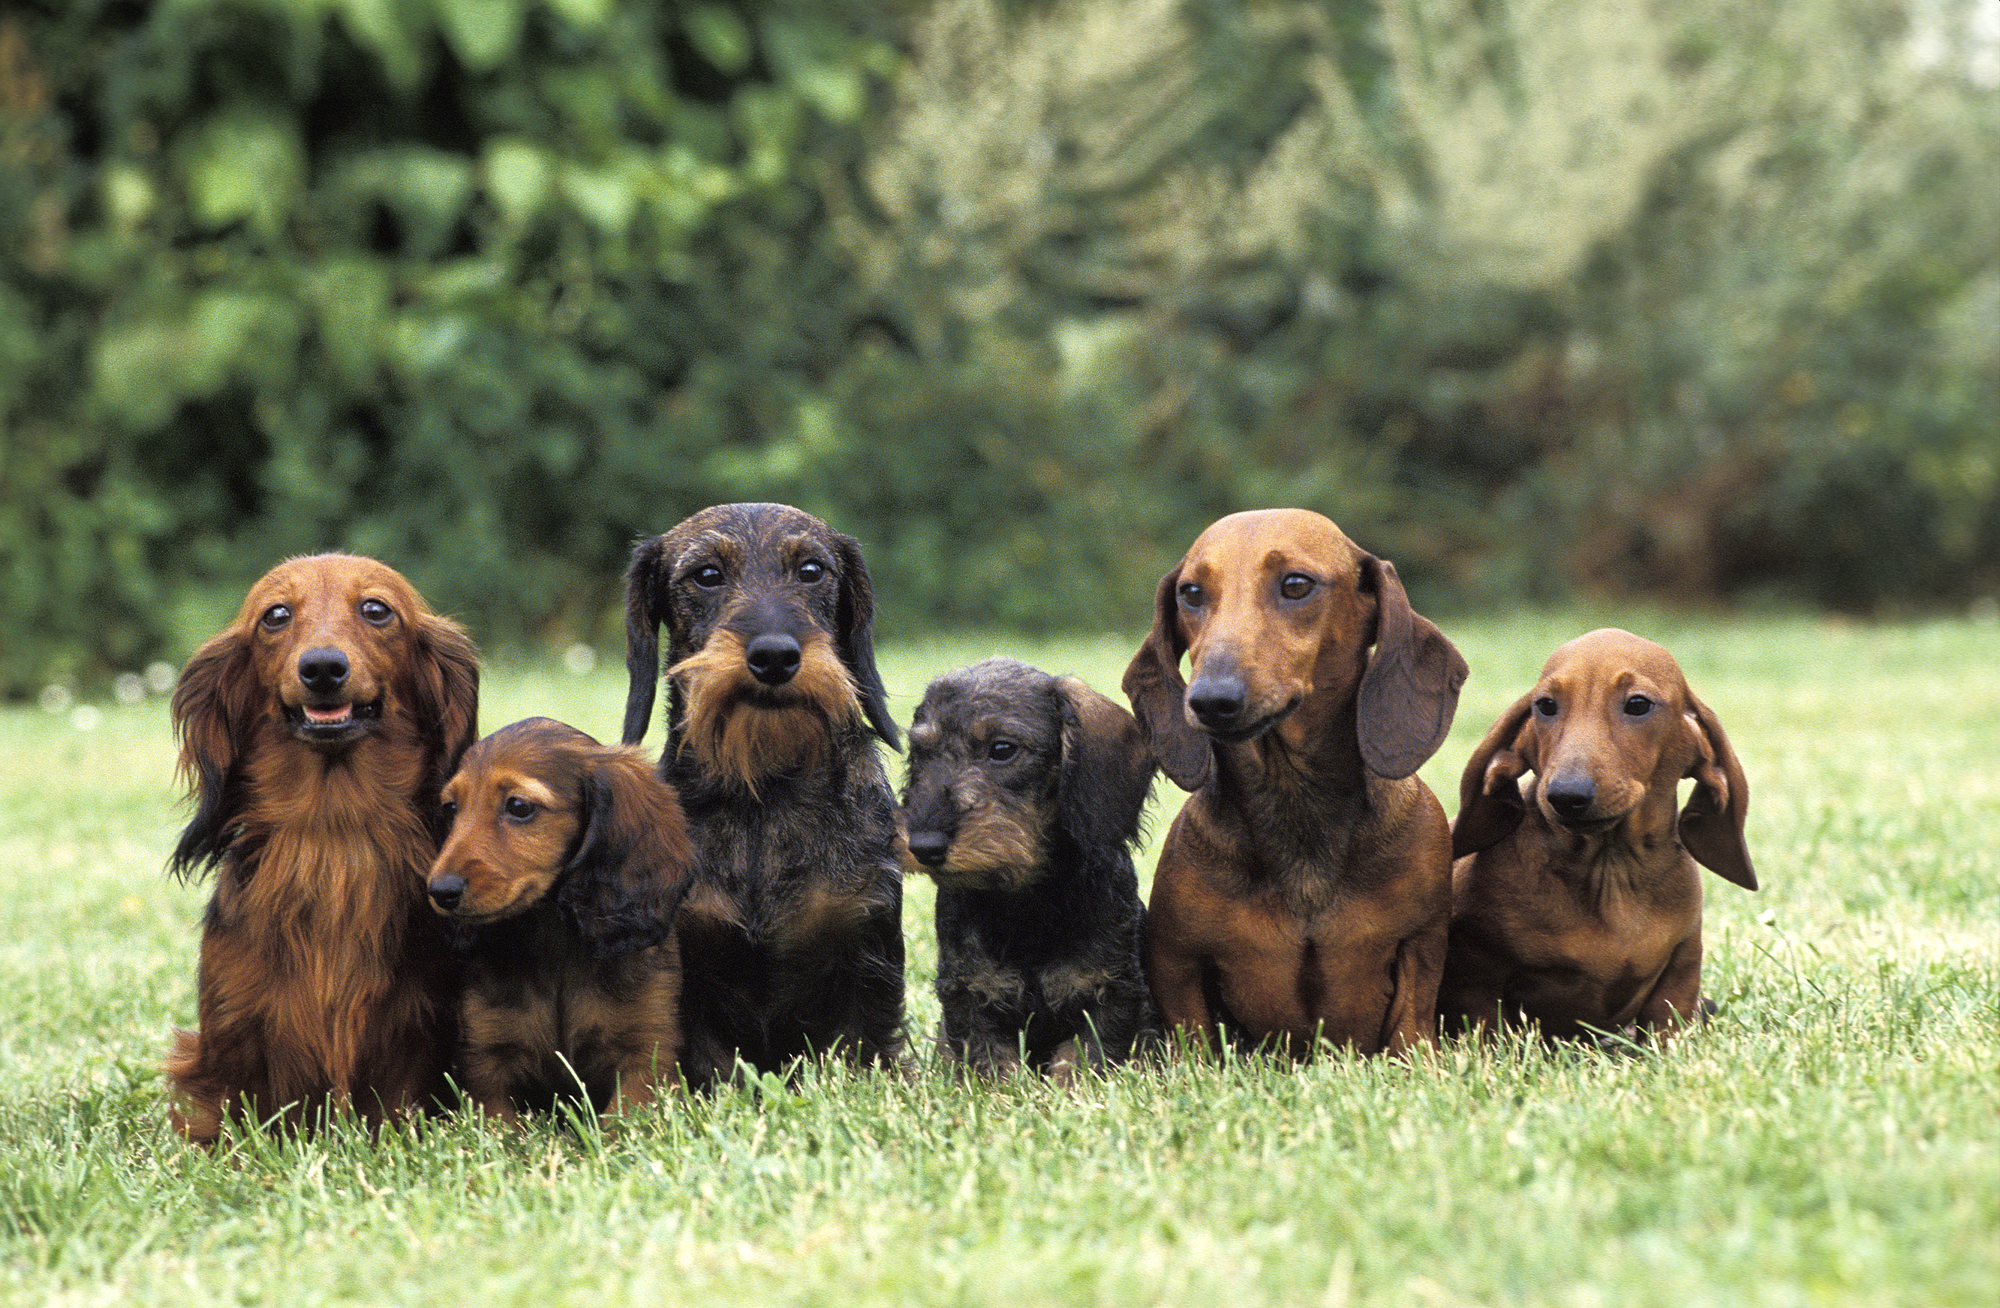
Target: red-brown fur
<point>568,859</point>
<point>1303,893</point>
<point>325,981</point>
<point>1576,909</point>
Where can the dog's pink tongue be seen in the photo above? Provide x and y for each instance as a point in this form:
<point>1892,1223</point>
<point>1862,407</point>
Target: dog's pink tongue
<point>330,715</point>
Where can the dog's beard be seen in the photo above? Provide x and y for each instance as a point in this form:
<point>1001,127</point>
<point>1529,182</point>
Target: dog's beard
<point>746,732</point>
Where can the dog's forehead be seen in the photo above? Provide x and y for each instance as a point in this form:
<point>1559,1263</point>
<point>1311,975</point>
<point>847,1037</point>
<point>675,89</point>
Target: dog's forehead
<point>1262,541</point>
<point>328,579</point>
<point>1615,658</point>
<point>747,527</point>
<point>996,697</point>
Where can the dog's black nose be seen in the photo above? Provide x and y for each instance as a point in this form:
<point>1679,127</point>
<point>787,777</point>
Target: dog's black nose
<point>929,847</point>
<point>773,659</point>
<point>323,671</point>
<point>1570,797</point>
<point>446,891</point>
<point>1217,702</point>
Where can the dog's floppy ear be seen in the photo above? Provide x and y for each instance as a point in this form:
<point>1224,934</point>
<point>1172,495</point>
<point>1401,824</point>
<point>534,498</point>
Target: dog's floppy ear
<point>1153,684</point>
<point>1490,804</point>
<point>1711,825</point>
<point>856,641</point>
<point>1107,770</point>
<point>1410,691</point>
<point>446,690</point>
<point>628,870</point>
<point>643,617</point>
<point>215,705</point>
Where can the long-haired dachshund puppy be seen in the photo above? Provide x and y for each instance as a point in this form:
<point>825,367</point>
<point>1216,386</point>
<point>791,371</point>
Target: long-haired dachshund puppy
<point>315,732</point>
<point>1024,797</point>
<point>1577,908</point>
<point>1304,891</point>
<point>791,935</point>
<point>568,859</point>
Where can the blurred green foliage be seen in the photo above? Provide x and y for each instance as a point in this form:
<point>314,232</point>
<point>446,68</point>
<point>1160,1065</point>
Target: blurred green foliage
<point>1699,301</point>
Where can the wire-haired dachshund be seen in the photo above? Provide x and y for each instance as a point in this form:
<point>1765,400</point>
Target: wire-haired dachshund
<point>1577,909</point>
<point>1304,891</point>
<point>315,731</point>
<point>791,935</point>
<point>1024,797</point>
<point>566,860</point>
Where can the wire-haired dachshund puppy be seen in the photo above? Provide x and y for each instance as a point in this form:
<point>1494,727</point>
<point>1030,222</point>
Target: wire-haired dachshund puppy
<point>1024,797</point>
<point>315,731</point>
<point>1577,909</point>
<point>791,935</point>
<point>1304,892</point>
<point>567,859</point>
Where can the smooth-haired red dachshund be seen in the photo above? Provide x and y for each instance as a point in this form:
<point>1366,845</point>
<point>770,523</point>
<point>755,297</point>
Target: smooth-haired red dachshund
<point>1304,892</point>
<point>315,732</point>
<point>1576,909</point>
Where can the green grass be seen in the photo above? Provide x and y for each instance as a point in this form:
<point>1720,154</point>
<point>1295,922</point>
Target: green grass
<point>1834,1137</point>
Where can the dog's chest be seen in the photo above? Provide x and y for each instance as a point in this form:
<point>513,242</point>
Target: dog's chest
<point>797,864</point>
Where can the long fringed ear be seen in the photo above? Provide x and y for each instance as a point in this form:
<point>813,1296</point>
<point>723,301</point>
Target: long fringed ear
<point>1711,824</point>
<point>1153,684</point>
<point>1490,804</point>
<point>1107,770</point>
<point>625,877</point>
<point>214,708</point>
<point>1410,691</point>
<point>643,619</point>
<point>447,691</point>
<point>856,640</point>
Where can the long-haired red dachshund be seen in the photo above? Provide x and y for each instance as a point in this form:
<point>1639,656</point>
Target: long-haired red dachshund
<point>568,859</point>
<point>315,733</point>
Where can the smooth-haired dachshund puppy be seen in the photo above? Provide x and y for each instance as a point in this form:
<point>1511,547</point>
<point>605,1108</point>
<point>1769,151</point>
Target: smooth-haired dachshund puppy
<point>315,732</point>
<point>1024,797</point>
<point>1304,891</point>
<point>1577,909</point>
<point>567,859</point>
<point>791,935</point>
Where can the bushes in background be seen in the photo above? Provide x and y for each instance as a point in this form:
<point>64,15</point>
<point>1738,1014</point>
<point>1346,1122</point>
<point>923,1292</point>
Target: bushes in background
<point>1537,299</point>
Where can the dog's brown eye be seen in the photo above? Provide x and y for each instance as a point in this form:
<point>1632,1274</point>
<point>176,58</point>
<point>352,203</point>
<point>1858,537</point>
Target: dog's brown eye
<point>1002,750</point>
<point>1192,595</point>
<point>375,613</point>
<point>707,577</point>
<point>1545,706</point>
<point>1296,586</point>
<point>811,571</point>
<point>1638,706</point>
<point>449,811</point>
<point>276,617</point>
<point>520,810</point>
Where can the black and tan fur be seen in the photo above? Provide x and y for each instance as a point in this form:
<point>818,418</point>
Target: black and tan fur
<point>1024,798</point>
<point>791,934</point>
<point>565,861</point>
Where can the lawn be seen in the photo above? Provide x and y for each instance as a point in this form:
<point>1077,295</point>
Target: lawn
<point>1832,1138</point>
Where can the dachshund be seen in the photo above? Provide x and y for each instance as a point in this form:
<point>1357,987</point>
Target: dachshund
<point>791,934</point>
<point>1023,802</point>
<point>1303,893</point>
<point>315,732</point>
<point>1580,913</point>
<point>566,860</point>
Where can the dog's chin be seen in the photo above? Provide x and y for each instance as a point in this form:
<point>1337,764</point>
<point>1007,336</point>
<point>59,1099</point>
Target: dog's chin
<point>330,726</point>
